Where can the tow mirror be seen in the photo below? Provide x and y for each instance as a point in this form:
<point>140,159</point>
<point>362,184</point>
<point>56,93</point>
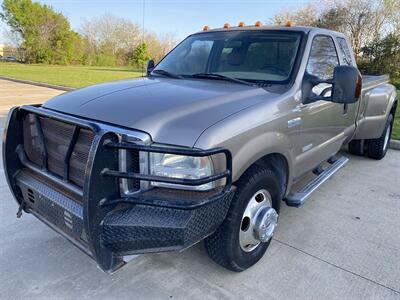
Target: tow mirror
<point>345,87</point>
<point>347,83</point>
<point>150,66</point>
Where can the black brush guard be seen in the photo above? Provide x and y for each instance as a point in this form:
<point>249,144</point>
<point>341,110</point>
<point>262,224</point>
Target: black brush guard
<point>95,217</point>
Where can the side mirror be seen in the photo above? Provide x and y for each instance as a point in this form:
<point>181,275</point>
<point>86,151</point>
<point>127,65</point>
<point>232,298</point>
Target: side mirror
<point>347,83</point>
<point>345,87</point>
<point>150,66</point>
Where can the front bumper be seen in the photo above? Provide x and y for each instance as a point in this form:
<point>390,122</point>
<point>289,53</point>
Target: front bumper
<point>96,218</point>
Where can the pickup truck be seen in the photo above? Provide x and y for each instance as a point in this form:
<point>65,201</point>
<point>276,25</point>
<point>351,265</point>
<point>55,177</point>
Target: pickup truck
<point>205,147</point>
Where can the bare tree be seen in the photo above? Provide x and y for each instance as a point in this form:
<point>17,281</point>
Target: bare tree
<point>159,46</point>
<point>392,10</point>
<point>111,35</point>
<point>118,38</point>
<point>303,16</point>
<point>363,21</point>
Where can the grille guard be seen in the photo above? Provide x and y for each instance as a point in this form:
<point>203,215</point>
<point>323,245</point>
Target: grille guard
<point>100,193</point>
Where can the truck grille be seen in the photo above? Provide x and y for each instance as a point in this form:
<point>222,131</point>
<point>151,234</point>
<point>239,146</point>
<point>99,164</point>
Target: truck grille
<point>57,137</point>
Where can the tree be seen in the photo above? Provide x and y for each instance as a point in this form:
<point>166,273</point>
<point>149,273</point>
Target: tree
<point>159,46</point>
<point>140,55</point>
<point>382,56</point>
<point>109,39</point>
<point>333,18</point>
<point>392,11</point>
<point>363,21</point>
<point>46,34</point>
<point>303,16</point>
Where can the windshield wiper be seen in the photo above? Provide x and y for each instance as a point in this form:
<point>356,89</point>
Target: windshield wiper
<point>219,76</point>
<point>166,73</point>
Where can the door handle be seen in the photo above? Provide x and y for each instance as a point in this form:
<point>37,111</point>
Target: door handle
<point>295,122</point>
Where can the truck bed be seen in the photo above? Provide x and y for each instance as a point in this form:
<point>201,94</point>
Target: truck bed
<point>373,80</point>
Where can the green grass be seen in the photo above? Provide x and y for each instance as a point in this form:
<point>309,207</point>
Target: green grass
<point>396,125</point>
<point>70,76</point>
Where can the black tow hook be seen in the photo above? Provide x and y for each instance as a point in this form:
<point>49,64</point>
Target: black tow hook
<point>20,209</point>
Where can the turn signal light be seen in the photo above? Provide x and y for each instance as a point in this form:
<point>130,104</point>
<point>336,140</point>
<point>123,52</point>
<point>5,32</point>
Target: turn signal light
<point>258,24</point>
<point>241,24</point>
<point>205,28</point>
<point>358,87</point>
<point>227,25</point>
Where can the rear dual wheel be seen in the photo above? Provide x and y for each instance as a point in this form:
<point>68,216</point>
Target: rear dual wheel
<point>377,148</point>
<point>373,148</point>
<point>246,233</point>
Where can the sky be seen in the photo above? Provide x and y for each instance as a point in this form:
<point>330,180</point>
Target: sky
<point>178,17</point>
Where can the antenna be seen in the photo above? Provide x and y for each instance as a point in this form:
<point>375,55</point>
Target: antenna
<point>143,31</point>
<point>143,13</point>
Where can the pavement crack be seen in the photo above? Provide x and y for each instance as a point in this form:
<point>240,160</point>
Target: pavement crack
<point>338,267</point>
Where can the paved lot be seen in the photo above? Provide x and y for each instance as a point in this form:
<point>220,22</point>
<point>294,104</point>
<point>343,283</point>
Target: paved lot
<point>344,243</point>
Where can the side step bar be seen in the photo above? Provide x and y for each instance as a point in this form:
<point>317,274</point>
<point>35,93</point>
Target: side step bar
<point>298,198</point>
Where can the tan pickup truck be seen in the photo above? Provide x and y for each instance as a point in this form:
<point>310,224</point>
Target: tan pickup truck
<point>205,147</point>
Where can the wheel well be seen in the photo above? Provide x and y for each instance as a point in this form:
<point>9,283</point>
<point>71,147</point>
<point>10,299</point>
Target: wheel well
<point>278,164</point>
<point>394,107</point>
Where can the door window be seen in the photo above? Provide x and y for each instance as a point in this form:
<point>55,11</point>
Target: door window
<point>323,58</point>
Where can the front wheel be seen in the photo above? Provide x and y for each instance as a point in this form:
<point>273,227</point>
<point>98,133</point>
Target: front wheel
<point>246,233</point>
<point>377,148</point>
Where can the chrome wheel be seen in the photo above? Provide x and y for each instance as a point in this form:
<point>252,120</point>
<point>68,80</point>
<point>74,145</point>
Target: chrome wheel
<point>259,221</point>
<point>387,137</point>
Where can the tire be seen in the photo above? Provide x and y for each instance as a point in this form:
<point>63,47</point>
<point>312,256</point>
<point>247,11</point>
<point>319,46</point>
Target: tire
<point>223,246</point>
<point>377,148</point>
<point>356,147</point>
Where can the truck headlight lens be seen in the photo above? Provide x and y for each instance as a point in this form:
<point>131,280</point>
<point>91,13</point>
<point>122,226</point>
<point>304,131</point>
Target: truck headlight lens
<point>183,167</point>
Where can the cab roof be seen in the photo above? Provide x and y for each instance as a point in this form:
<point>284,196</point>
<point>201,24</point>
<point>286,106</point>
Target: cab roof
<point>305,29</point>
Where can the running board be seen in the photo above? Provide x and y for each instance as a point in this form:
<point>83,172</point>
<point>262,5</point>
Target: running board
<point>298,198</point>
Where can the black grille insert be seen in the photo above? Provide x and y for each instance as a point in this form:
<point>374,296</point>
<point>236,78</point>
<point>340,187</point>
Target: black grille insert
<point>57,137</point>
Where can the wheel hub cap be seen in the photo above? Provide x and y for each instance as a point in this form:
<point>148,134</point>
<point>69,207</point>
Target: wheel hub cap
<point>266,222</point>
<point>259,221</point>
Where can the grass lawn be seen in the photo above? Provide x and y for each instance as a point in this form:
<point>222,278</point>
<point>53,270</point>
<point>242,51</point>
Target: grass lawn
<point>70,76</point>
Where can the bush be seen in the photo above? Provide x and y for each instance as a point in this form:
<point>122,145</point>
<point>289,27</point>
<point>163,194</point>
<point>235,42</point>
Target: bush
<point>382,57</point>
<point>396,83</point>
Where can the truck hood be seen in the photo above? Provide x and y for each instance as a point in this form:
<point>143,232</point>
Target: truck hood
<point>172,111</point>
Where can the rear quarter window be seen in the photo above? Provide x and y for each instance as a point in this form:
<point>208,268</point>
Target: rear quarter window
<point>345,51</point>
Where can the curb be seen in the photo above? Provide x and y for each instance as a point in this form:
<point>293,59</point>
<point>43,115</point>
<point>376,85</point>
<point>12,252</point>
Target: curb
<point>394,144</point>
<point>42,84</point>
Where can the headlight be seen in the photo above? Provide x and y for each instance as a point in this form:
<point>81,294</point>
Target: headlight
<point>183,167</point>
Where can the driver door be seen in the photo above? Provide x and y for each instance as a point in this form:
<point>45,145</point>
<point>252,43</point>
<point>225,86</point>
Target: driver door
<point>321,130</point>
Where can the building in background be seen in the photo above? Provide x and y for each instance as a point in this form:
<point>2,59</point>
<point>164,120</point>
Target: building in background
<point>10,53</point>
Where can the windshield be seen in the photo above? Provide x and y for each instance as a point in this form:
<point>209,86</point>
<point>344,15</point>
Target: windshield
<point>252,56</point>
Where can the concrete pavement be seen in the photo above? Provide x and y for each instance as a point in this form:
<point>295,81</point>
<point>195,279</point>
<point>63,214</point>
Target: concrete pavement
<point>344,243</point>
<point>13,94</point>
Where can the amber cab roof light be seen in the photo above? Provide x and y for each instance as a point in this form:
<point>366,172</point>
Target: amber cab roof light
<point>241,24</point>
<point>289,24</point>
<point>206,28</point>
<point>258,24</point>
